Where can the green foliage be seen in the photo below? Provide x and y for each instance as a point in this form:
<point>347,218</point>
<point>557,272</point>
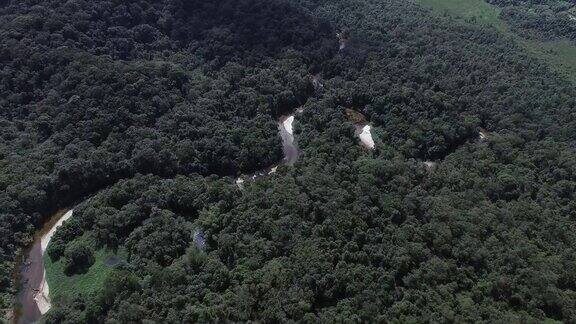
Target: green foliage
<point>56,250</point>
<point>540,19</point>
<point>141,114</point>
<point>195,259</point>
<point>64,287</point>
<point>477,11</point>
<point>545,29</point>
<point>78,258</point>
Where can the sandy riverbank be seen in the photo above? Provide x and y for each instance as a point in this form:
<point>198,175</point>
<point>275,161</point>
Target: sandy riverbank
<point>365,135</point>
<point>291,153</point>
<point>42,296</point>
<point>34,295</point>
<point>288,144</point>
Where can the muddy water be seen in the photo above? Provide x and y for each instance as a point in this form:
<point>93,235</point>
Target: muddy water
<point>33,297</point>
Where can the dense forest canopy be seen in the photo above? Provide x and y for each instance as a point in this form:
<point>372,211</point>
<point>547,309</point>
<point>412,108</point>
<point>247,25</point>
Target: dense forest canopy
<point>142,113</point>
<point>540,19</point>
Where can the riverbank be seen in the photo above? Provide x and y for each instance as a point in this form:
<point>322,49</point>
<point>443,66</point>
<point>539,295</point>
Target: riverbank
<point>289,148</point>
<point>33,299</point>
<point>63,286</point>
<point>364,132</point>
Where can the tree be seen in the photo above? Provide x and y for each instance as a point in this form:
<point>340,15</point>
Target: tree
<point>78,257</point>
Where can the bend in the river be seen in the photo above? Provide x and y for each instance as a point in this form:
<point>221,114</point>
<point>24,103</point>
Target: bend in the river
<point>289,147</point>
<point>33,298</point>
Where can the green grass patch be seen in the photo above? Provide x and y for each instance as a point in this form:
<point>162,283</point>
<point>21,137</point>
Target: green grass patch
<point>559,55</point>
<point>62,286</point>
<point>470,10</point>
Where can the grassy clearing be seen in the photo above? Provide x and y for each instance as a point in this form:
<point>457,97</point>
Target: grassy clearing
<point>62,286</point>
<point>471,10</point>
<point>559,55</point>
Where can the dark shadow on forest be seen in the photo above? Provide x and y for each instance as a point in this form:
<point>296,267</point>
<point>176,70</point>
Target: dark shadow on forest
<point>262,27</point>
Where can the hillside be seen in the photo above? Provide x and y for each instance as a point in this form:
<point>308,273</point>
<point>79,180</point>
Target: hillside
<point>144,115</point>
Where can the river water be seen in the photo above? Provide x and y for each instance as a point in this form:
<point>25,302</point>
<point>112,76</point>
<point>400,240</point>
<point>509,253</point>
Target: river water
<point>33,299</point>
<point>289,147</point>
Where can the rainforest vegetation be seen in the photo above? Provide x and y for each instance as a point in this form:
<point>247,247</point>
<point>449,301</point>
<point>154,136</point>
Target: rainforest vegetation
<point>140,114</point>
<point>540,19</point>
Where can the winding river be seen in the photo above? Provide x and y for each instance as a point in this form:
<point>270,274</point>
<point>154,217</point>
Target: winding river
<point>33,299</point>
<point>289,148</point>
